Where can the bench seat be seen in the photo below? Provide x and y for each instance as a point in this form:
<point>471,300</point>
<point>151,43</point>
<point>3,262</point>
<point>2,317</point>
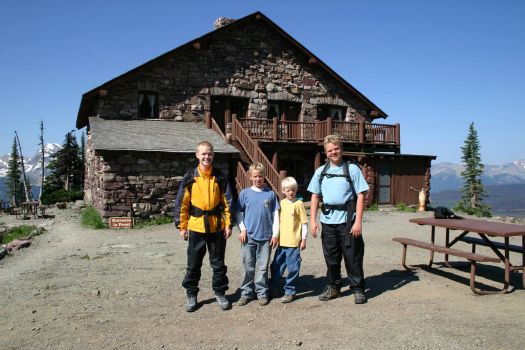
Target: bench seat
<point>499,245</point>
<point>472,257</point>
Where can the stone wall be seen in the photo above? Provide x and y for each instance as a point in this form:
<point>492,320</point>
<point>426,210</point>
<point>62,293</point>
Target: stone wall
<point>251,61</point>
<point>147,180</point>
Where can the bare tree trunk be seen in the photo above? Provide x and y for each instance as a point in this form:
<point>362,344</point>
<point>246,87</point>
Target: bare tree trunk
<point>42,164</point>
<point>23,168</point>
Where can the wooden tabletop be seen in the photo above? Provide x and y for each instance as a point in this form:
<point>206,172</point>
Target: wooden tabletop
<point>491,228</point>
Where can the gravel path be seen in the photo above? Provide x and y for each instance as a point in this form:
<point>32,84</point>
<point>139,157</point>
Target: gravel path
<point>77,288</point>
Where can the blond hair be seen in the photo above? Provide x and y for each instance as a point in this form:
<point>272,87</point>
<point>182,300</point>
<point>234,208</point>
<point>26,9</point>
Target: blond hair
<point>333,139</point>
<point>289,183</point>
<point>205,144</point>
<point>256,166</point>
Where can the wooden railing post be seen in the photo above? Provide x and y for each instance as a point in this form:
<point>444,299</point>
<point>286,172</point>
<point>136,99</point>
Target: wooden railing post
<point>398,134</point>
<point>255,153</point>
<point>282,175</point>
<point>207,119</point>
<point>317,160</point>
<point>234,131</point>
<point>362,132</point>
<point>275,131</point>
<point>275,160</point>
<point>329,126</point>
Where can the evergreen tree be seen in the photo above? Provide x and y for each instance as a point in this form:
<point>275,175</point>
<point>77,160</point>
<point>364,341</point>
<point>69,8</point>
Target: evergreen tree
<point>15,186</point>
<point>66,167</point>
<point>473,190</point>
<point>83,158</point>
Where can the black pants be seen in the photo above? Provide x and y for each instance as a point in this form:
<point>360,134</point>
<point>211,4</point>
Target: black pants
<point>339,243</point>
<point>197,243</point>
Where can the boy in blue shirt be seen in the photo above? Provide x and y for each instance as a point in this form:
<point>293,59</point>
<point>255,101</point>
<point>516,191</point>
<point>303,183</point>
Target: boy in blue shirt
<point>343,193</point>
<point>258,219</point>
<point>293,227</point>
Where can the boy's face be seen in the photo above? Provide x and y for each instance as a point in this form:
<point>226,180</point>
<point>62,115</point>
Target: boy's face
<point>334,153</point>
<point>257,177</point>
<point>289,193</point>
<point>205,156</point>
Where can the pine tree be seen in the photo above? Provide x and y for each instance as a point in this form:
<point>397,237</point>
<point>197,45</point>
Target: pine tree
<point>15,186</point>
<point>66,167</point>
<point>83,158</point>
<point>473,190</point>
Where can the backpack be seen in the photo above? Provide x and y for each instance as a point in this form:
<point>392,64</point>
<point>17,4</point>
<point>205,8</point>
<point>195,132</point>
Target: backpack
<point>346,174</point>
<point>445,213</point>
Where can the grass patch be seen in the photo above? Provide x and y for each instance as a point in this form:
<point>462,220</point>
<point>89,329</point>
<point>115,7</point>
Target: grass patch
<point>91,218</point>
<point>405,208</point>
<point>17,232</point>
<point>158,220</point>
<point>373,207</point>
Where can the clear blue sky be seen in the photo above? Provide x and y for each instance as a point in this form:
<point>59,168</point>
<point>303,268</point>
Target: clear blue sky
<point>432,66</point>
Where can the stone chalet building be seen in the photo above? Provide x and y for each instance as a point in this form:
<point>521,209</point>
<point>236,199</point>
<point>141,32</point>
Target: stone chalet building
<point>254,92</point>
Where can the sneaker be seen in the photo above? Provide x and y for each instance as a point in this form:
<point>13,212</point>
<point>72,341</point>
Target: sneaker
<point>223,302</point>
<point>263,301</point>
<point>359,296</point>
<point>288,298</point>
<point>191,303</point>
<point>329,293</point>
<point>243,301</point>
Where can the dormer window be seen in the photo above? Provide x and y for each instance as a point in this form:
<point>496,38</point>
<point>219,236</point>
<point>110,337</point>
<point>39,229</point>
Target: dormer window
<point>148,104</point>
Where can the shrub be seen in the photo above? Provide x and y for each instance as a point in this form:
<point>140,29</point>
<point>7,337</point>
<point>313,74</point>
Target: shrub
<point>91,218</point>
<point>61,196</point>
<point>373,207</point>
<point>16,233</point>
<point>403,207</point>
<point>158,220</point>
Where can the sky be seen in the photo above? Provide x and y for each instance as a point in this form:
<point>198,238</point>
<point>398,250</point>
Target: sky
<point>433,66</point>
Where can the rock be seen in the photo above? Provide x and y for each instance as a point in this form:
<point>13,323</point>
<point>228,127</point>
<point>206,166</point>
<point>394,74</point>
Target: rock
<point>17,244</point>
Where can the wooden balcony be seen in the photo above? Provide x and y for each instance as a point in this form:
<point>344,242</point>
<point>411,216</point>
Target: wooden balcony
<point>274,130</point>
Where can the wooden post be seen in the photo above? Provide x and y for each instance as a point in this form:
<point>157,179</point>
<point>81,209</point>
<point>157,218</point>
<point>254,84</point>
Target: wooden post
<point>275,131</point>
<point>329,126</point>
<point>275,160</point>
<point>317,160</point>
<point>234,131</point>
<point>362,132</point>
<point>256,150</point>
<point>398,134</point>
<point>207,119</point>
<point>282,175</point>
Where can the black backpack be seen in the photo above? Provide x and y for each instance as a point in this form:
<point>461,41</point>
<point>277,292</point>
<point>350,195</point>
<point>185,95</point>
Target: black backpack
<point>445,213</point>
<point>346,174</point>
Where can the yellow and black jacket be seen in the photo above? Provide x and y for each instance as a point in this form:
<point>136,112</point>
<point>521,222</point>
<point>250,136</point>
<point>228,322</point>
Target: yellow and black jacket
<point>203,202</point>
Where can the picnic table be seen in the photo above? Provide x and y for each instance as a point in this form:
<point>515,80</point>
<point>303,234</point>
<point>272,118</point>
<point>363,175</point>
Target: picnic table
<point>495,235</point>
<point>29,208</point>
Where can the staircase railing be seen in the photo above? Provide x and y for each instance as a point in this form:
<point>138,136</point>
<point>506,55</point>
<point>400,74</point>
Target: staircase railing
<point>253,151</point>
<point>242,180</point>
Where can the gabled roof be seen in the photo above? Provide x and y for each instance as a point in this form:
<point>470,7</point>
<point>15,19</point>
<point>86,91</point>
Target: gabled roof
<point>90,97</point>
<point>153,136</point>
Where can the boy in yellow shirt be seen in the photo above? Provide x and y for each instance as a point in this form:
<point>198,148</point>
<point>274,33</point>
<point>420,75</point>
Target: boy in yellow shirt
<point>292,239</point>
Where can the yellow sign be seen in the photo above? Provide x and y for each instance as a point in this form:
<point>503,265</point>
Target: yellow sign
<point>121,222</point>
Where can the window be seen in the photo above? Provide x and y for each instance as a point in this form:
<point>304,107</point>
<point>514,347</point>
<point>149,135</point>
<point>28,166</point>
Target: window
<point>148,104</point>
<point>336,112</point>
<point>284,110</point>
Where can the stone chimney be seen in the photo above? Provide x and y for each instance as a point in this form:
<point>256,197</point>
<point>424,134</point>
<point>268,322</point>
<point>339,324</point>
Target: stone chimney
<point>222,21</point>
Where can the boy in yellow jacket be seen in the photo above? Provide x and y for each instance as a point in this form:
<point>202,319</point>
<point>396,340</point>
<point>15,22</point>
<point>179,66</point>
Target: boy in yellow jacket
<point>203,216</point>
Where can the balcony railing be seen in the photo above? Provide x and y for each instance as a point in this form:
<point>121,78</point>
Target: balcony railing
<point>293,131</point>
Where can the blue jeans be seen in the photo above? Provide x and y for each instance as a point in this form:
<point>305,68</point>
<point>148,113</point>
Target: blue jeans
<point>290,259</point>
<point>255,253</point>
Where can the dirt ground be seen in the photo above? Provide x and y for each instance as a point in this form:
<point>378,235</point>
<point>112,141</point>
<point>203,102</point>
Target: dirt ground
<point>77,288</point>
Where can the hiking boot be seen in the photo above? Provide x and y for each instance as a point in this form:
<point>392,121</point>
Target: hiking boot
<point>288,298</point>
<point>359,296</point>
<point>191,303</point>
<point>274,293</point>
<point>263,301</point>
<point>243,301</point>
<point>223,302</point>
<point>329,293</point>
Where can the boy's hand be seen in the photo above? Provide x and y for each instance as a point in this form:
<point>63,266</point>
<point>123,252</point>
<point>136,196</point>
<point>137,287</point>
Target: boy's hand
<point>184,234</point>
<point>227,232</point>
<point>313,227</point>
<point>275,242</point>
<point>356,229</point>
<point>243,236</point>
<point>302,246</point>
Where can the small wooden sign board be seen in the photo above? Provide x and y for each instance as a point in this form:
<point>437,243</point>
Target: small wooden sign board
<point>120,222</point>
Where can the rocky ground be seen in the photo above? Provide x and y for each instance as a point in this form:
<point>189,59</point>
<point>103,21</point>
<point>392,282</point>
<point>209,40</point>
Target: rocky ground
<point>77,288</point>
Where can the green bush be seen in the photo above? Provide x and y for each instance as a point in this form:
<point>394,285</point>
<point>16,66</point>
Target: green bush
<point>403,207</point>
<point>373,207</point>
<point>91,218</point>
<point>158,220</point>
<point>16,233</point>
<point>61,196</point>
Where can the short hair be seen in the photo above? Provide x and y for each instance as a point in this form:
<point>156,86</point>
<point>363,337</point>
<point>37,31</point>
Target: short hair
<point>333,139</point>
<point>205,144</point>
<point>289,182</point>
<point>256,166</point>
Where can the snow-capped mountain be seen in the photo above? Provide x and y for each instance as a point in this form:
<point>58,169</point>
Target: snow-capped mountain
<point>32,165</point>
<point>447,176</point>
